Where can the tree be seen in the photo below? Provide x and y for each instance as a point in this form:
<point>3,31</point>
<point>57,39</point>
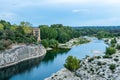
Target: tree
<point>6,24</point>
<point>56,25</point>
<point>45,43</point>
<point>72,63</point>
<point>1,27</point>
<point>110,51</point>
<point>63,37</point>
<point>53,43</point>
<point>26,27</point>
<point>13,27</point>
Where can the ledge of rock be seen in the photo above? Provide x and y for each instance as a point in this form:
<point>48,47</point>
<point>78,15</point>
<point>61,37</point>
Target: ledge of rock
<point>63,74</point>
<point>20,53</point>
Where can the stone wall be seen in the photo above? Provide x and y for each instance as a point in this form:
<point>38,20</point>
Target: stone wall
<point>20,53</point>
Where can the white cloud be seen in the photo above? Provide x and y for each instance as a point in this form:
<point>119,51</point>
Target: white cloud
<point>76,10</point>
<point>79,10</point>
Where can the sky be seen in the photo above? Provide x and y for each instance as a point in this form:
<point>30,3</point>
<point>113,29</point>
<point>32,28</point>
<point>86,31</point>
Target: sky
<point>66,12</point>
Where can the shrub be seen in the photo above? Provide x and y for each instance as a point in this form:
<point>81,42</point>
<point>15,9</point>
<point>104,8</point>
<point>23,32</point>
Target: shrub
<point>2,47</point>
<point>110,50</point>
<point>118,47</point>
<point>72,63</point>
<point>112,67</point>
<point>115,59</point>
<point>91,59</point>
<point>5,44</point>
<point>99,63</point>
<point>107,56</point>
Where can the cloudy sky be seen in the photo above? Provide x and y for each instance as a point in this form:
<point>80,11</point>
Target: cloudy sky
<point>67,12</point>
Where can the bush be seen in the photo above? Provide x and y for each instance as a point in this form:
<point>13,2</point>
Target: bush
<point>72,63</point>
<point>118,47</point>
<point>2,47</point>
<point>112,67</point>
<point>5,44</point>
<point>107,56</point>
<point>110,50</point>
<point>99,63</point>
<point>115,59</point>
<point>91,59</point>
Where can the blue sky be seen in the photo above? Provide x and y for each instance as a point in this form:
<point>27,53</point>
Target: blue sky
<point>67,12</point>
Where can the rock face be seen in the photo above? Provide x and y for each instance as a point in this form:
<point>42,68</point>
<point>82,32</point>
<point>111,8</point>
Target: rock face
<point>20,53</point>
<point>100,68</point>
<point>63,74</point>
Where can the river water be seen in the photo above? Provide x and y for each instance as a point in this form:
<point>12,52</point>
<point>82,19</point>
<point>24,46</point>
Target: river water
<point>38,69</point>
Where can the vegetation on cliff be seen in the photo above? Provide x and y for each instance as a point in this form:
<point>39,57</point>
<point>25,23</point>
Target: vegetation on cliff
<point>15,34</point>
<point>72,63</point>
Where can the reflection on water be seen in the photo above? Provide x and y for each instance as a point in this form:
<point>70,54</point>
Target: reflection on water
<point>22,67</point>
<point>51,55</point>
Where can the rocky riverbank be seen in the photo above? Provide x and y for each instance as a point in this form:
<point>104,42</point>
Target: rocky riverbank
<point>93,68</point>
<point>74,42</point>
<point>106,67</point>
<point>63,74</point>
<point>20,53</point>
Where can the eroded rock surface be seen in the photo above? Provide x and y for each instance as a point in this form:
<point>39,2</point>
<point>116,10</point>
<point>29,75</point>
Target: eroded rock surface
<point>20,53</point>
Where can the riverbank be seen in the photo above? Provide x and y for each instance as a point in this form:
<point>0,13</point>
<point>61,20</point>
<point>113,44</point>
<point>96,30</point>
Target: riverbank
<point>74,42</point>
<point>20,53</point>
<point>63,74</point>
<point>92,68</point>
<point>97,67</point>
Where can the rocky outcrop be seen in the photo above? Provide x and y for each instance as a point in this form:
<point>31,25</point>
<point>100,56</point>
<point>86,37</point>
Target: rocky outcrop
<point>63,74</point>
<point>74,42</point>
<point>20,53</point>
<point>93,68</point>
<point>100,68</point>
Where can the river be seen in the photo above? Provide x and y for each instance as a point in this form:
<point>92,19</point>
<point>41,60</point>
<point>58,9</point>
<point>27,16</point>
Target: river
<point>40,68</point>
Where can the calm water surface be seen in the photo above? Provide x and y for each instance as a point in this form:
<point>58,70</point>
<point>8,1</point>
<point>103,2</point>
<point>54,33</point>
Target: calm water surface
<point>38,69</point>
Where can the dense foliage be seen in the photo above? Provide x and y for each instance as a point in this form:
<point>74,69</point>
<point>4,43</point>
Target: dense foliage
<point>57,32</point>
<point>15,34</point>
<point>72,63</point>
<point>50,43</point>
<point>100,32</point>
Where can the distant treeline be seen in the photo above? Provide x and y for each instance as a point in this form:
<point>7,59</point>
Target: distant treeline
<point>50,35</point>
<point>99,31</point>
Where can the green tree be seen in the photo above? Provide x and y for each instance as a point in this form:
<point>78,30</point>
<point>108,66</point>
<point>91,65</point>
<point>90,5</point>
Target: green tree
<point>110,51</point>
<point>1,27</point>
<point>45,43</point>
<point>53,43</point>
<point>13,27</point>
<point>27,27</point>
<point>72,63</point>
<point>6,24</point>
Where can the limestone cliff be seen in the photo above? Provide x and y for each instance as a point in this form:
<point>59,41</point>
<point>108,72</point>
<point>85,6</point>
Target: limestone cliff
<point>20,53</point>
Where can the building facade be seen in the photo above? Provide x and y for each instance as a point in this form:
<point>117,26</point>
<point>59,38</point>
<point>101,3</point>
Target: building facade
<point>36,33</point>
